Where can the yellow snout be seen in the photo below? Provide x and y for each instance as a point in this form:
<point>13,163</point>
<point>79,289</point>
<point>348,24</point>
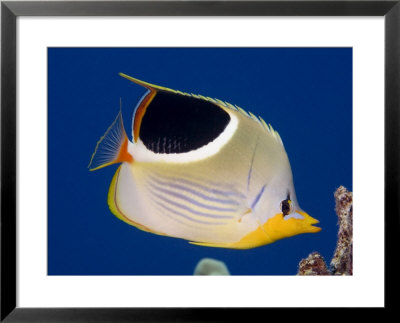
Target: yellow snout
<point>278,227</point>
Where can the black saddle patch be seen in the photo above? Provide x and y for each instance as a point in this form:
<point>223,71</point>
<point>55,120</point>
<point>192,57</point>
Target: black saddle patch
<point>175,123</point>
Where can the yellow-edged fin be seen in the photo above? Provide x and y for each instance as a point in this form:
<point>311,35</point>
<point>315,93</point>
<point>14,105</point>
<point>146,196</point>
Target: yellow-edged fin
<point>153,88</point>
<point>254,117</point>
<point>244,112</point>
<point>146,84</point>
<point>265,125</point>
<point>231,106</point>
<point>221,103</point>
<point>112,147</point>
<point>254,239</point>
<point>214,245</point>
<point>113,205</point>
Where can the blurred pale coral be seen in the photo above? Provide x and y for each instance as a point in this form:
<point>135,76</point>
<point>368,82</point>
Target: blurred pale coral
<point>342,261</point>
<point>210,267</point>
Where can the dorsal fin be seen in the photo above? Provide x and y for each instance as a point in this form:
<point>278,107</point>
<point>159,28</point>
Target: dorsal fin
<point>153,88</point>
<point>258,120</point>
<point>271,130</point>
<point>147,85</point>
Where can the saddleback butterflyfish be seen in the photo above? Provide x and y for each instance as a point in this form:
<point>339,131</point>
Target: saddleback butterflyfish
<point>201,169</point>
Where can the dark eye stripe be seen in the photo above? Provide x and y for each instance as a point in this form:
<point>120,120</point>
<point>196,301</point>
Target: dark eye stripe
<point>285,207</point>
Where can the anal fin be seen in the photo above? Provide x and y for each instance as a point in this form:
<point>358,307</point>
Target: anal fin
<point>207,244</point>
<point>116,210</point>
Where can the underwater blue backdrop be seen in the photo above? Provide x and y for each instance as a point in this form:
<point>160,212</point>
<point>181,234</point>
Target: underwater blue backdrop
<point>304,93</point>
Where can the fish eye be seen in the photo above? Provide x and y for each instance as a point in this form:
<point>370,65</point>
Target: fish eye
<point>286,206</point>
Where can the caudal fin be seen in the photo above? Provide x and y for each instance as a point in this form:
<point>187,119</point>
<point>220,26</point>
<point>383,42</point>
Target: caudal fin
<point>112,148</point>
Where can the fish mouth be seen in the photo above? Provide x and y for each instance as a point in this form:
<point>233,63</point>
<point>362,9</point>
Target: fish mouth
<point>314,229</point>
<point>309,222</point>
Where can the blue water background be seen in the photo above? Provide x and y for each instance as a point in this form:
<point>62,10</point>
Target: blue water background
<point>304,93</point>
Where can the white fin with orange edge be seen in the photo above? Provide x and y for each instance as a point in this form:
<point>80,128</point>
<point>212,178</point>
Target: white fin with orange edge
<point>112,148</point>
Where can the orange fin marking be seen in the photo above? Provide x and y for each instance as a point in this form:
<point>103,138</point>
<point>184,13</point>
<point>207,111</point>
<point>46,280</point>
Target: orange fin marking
<point>112,148</point>
<point>140,112</point>
<point>124,155</point>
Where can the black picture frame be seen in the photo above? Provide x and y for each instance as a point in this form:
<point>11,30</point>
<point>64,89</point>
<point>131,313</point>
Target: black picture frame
<point>10,10</point>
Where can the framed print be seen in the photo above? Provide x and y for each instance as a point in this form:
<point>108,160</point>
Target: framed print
<point>147,144</point>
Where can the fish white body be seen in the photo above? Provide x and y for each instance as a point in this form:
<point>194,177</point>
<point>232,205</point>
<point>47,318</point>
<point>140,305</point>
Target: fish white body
<point>221,194</point>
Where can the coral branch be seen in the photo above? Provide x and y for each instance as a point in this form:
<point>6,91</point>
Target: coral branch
<point>313,265</point>
<point>342,261</point>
